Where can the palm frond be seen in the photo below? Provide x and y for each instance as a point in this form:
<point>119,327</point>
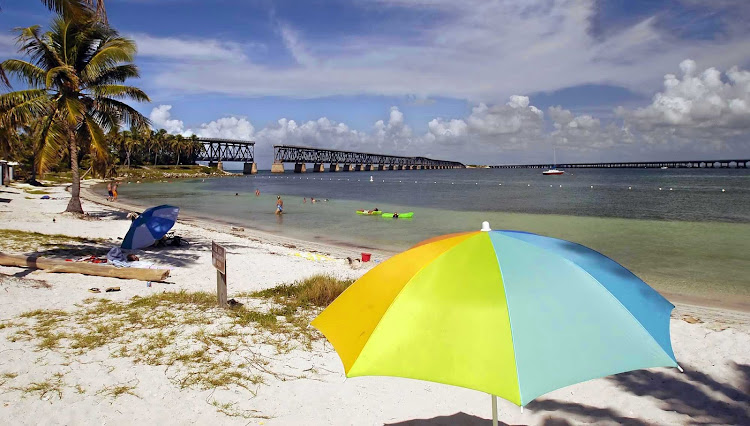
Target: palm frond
<point>4,78</point>
<point>70,9</point>
<point>23,106</point>
<point>97,138</point>
<point>120,92</point>
<point>113,75</point>
<point>126,114</point>
<point>72,109</point>
<point>52,143</point>
<point>24,70</point>
<point>109,54</point>
<point>58,76</point>
<point>31,43</point>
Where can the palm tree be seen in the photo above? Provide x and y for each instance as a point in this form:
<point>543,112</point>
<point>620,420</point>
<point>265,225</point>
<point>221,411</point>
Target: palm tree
<point>75,79</point>
<point>77,9</point>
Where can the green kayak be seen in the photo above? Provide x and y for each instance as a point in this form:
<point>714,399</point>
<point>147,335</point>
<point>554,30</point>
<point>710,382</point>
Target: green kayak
<point>400,215</point>
<point>369,212</point>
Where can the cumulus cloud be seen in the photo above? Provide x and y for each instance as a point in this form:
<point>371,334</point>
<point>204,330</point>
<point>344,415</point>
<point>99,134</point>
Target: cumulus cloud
<point>161,119</point>
<point>225,127</point>
<point>513,125</point>
<point>473,51</point>
<point>697,100</point>
<point>699,112</point>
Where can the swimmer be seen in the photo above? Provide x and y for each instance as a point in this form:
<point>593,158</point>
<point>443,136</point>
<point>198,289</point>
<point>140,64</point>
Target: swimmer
<point>279,205</point>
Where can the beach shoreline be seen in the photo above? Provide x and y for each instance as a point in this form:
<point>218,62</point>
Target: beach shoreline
<point>308,385</point>
<point>345,249</point>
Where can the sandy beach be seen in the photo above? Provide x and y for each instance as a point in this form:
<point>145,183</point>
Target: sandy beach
<point>292,378</point>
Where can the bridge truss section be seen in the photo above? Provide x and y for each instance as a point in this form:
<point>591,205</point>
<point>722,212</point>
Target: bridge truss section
<point>214,150</point>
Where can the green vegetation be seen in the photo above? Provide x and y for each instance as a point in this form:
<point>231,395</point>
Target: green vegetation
<point>74,90</point>
<point>12,241</point>
<point>201,345</point>
<point>316,291</point>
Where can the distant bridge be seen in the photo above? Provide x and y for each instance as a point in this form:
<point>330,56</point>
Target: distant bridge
<point>715,164</point>
<point>349,160</point>
<point>216,151</point>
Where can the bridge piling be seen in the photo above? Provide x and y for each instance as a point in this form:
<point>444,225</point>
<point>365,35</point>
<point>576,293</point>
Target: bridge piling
<point>300,168</point>
<point>249,168</point>
<point>319,168</point>
<point>277,167</point>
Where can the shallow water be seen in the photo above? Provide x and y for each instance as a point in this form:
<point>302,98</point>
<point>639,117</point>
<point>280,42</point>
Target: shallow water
<point>692,239</point>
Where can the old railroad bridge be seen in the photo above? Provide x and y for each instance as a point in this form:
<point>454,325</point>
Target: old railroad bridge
<point>716,164</point>
<point>216,151</point>
<point>338,160</point>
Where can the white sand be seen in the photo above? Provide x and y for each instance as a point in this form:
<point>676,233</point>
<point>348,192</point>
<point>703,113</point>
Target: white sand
<point>713,347</point>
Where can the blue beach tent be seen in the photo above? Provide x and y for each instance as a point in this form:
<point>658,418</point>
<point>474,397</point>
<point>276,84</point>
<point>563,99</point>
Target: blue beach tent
<point>150,226</point>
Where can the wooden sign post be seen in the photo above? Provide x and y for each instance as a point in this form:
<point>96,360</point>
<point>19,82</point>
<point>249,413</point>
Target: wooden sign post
<point>219,260</point>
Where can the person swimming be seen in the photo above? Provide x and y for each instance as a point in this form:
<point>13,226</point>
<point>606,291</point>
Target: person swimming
<point>279,205</point>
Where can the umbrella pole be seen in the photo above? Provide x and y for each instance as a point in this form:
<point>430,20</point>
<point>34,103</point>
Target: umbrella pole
<point>494,410</point>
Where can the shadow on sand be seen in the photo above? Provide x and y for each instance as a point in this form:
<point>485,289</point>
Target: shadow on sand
<point>694,394</point>
<point>700,399</point>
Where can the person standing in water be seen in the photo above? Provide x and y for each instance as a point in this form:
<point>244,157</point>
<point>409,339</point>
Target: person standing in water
<point>109,191</point>
<point>279,205</point>
<point>114,191</point>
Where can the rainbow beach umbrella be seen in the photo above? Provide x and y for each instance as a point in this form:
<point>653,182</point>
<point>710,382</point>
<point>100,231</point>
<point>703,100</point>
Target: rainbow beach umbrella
<point>509,313</point>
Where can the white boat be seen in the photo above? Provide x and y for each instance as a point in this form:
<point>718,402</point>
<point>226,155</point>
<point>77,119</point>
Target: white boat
<point>553,170</point>
<point>664,167</point>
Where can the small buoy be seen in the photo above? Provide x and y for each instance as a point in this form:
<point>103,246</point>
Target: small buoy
<point>659,189</point>
<point>592,186</point>
<point>528,185</point>
<point>630,187</point>
<point>670,189</point>
<point>560,186</point>
<point>499,184</point>
<point>453,183</point>
<point>476,183</point>
<point>723,190</point>
<point>550,186</point>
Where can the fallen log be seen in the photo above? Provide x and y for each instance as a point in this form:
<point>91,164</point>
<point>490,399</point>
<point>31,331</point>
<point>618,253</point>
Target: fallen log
<point>51,265</point>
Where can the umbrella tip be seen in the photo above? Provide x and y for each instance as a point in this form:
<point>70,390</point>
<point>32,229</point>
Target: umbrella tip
<point>486,226</point>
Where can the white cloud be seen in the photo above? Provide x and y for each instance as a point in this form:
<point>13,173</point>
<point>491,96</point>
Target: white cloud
<point>697,100</point>
<point>475,51</point>
<point>174,48</point>
<point>161,119</point>
<point>699,112</point>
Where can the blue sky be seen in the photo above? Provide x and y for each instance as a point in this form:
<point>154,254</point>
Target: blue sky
<point>436,77</point>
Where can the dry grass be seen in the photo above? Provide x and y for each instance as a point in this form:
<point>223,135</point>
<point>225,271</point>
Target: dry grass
<point>12,241</point>
<point>115,391</point>
<point>317,291</point>
<point>200,345</point>
<point>51,386</point>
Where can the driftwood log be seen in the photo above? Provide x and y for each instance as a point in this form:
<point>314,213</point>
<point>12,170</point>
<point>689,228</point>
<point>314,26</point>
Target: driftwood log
<point>51,265</point>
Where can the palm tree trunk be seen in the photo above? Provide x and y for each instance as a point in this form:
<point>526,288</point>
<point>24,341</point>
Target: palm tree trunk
<point>74,206</point>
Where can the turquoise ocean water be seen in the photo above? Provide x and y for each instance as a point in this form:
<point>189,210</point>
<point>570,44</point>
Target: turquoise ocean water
<point>683,231</point>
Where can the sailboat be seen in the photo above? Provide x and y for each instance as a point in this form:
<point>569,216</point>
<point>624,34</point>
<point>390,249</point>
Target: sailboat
<point>553,170</point>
